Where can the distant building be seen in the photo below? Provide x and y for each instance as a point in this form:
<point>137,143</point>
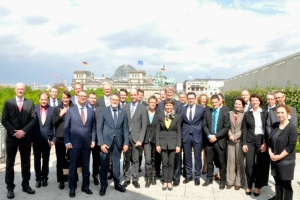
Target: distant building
<point>40,87</point>
<point>278,73</point>
<point>203,86</point>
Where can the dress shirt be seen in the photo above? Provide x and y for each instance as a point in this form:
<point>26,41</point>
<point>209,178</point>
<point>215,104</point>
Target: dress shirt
<point>41,112</point>
<point>258,123</point>
<point>112,111</point>
<point>51,102</point>
<point>271,107</point>
<point>84,110</point>
<point>17,99</point>
<point>107,100</point>
<point>189,110</point>
<point>93,107</point>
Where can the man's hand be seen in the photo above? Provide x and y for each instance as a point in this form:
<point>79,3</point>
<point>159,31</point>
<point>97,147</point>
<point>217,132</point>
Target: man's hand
<point>212,138</point>
<point>19,134</point>
<point>158,149</point>
<point>245,148</point>
<point>263,147</point>
<point>177,150</point>
<point>138,144</point>
<point>69,146</point>
<point>125,148</point>
<point>93,145</point>
<point>104,148</point>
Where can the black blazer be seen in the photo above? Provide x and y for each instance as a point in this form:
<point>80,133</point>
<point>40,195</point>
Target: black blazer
<point>12,119</point>
<point>284,168</point>
<point>168,138</point>
<point>151,129</point>
<point>222,129</point>
<point>58,121</point>
<point>248,127</point>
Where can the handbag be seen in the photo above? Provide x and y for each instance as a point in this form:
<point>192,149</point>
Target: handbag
<point>67,164</point>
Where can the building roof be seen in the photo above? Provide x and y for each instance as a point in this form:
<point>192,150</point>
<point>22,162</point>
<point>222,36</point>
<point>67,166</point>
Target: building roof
<point>122,72</point>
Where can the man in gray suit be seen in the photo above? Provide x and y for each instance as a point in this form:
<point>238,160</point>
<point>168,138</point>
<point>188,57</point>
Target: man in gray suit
<point>137,121</point>
<point>105,100</point>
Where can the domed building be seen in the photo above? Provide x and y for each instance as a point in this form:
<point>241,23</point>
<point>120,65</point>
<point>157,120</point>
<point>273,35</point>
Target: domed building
<point>122,73</point>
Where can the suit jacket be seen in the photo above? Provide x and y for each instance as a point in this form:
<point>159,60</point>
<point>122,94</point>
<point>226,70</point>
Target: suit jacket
<point>101,102</point>
<point>138,123</point>
<point>58,121</point>
<point>177,107</point>
<point>222,127</point>
<point>43,133</point>
<point>284,168</point>
<point>79,135</point>
<point>151,129</point>
<point>236,129</point>
<point>194,127</point>
<point>144,103</point>
<point>248,127</point>
<point>106,128</point>
<point>58,102</point>
<point>168,138</point>
<point>12,119</point>
<point>73,100</point>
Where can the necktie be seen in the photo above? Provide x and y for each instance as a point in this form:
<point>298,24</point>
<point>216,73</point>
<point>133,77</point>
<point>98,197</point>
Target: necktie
<point>115,117</point>
<point>132,110</point>
<point>82,116</point>
<point>213,121</point>
<point>191,115</point>
<point>20,105</point>
<point>43,117</point>
<point>54,103</point>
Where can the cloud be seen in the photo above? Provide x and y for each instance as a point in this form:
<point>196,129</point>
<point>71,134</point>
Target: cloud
<point>36,20</point>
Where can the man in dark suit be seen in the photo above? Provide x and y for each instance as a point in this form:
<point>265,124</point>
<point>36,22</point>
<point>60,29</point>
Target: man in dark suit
<point>80,136</point>
<point>53,100</point>
<point>246,96</point>
<point>169,91</point>
<point>113,135</point>
<point>43,138</point>
<point>137,121</point>
<point>123,96</point>
<point>141,95</point>
<point>182,97</point>
<point>216,124</point>
<point>96,150</point>
<point>105,100</point>
<point>192,117</point>
<point>77,88</point>
<point>18,118</point>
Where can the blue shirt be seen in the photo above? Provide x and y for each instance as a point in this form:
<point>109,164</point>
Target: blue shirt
<point>215,126</point>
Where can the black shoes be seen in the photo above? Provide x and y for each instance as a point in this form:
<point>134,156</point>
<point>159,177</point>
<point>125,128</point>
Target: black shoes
<point>102,191</point>
<point>87,191</point>
<point>110,176</point>
<point>185,181</point>
<point>136,184</point>
<point>120,188</point>
<point>222,185</point>
<point>45,183</point>
<point>207,182</point>
<point>72,194</point>
<point>96,180</point>
<point>126,183</point>
<point>10,194</point>
<point>176,183</point>
<point>38,184</point>
<point>148,182</point>
<point>61,186</point>
<point>28,190</point>
<point>153,180</point>
<point>273,198</point>
<point>197,181</point>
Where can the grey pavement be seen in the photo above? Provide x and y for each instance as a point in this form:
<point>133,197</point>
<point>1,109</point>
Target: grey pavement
<point>183,191</point>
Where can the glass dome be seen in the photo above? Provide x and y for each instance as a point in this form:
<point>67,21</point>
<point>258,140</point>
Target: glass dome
<point>122,72</point>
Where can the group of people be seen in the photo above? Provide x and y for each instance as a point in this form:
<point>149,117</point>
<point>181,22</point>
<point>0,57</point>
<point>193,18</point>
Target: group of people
<point>241,143</point>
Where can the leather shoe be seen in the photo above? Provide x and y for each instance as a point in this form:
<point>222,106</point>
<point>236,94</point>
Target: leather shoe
<point>96,180</point>
<point>207,182</point>
<point>187,180</point>
<point>228,186</point>
<point>45,183</point>
<point>61,186</point>
<point>72,194</point>
<point>136,184</point>
<point>197,181</point>
<point>273,198</point>
<point>28,190</point>
<point>120,188</point>
<point>176,183</point>
<point>87,191</point>
<point>110,176</point>
<point>153,181</point>
<point>10,194</point>
<point>38,184</point>
<point>102,191</point>
<point>222,185</point>
<point>126,183</point>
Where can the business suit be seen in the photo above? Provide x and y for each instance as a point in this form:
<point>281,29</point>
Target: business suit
<point>43,134</point>
<point>101,102</point>
<point>114,136</point>
<point>168,139</point>
<point>13,119</point>
<point>254,142</point>
<point>137,130</point>
<point>57,102</point>
<point>81,137</point>
<point>218,147</point>
<point>74,100</point>
<point>192,138</point>
<point>149,146</point>
<point>235,154</point>
<point>283,170</point>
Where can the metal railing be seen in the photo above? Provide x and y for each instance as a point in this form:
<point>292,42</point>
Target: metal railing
<point>2,144</point>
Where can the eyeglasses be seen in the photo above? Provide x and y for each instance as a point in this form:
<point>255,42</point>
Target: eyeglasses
<point>82,96</point>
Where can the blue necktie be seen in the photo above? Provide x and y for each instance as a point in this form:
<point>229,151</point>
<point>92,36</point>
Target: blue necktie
<point>54,103</point>
<point>213,121</point>
<point>115,117</point>
<point>191,116</point>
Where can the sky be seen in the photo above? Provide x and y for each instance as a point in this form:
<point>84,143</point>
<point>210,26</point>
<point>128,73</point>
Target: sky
<point>41,41</point>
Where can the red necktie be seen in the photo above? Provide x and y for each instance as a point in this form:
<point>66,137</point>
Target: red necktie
<point>20,105</point>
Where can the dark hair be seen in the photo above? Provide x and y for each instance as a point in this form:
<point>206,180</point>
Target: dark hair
<point>140,90</point>
<point>286,107</point>
<point>93,93</point>
<point>259,98</point>
<point>169,100</point>
<point>240,99</point>
<point>42,94</point>
<point>115,94</point>
<point>152,97</point>
<point>124,90</point>
<point>215,96</point>
<point>199,98</point>
<point>191,93</point>
<point>67,93</point>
